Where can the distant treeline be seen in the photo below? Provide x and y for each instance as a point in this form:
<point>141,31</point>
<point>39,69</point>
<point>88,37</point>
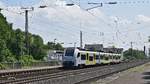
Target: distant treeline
<point>134,54</point>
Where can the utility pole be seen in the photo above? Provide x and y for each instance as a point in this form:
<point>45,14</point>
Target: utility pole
<point>81,46</point>
<point>26,32</point>
<point>27,44</point>
<point>144,50</point>
<point>131,49</point>
<point>81,40</point>
<point>75,44</point>
<point>55,41</point>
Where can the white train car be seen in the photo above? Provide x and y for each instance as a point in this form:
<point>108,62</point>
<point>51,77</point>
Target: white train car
<point>75,57</point>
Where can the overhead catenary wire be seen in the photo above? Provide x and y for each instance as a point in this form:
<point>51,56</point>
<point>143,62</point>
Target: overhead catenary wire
<point>125,31</point>
<point>20,14</point>
<point>62,29</point>
<point>70,24</point>
<point>73,25</point>
<point>44,31</point>
<point>88,32</point>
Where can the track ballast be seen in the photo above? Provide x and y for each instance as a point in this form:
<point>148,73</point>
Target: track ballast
<point>73,76</point>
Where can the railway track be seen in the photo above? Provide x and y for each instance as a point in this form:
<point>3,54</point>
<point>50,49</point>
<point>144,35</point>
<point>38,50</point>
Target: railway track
<point>73,76</point>
<point>53,73</point>
<point>15,74</point>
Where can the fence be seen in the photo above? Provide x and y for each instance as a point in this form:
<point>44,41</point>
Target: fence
<point>19,65</point>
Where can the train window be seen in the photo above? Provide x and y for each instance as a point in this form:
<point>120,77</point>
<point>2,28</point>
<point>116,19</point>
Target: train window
<point>83,57</point>
<point>110,57</point>
<point>114,57</point>
<point>102,56</point>
<point>69,52</point>
<point>97,56</point>
<point>78,55</point>
<point>117,57</point>
<point>106,58</point>
<point>90,58</point>
<point>87,54</point>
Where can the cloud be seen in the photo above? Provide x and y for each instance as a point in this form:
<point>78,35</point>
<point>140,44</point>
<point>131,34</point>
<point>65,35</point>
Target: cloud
<point>143,18</point>
<point>1,5</point>
<point>65,23</point>
<point>66,20</point>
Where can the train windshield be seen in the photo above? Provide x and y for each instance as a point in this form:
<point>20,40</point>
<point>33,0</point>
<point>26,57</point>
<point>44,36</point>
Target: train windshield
<point>69,52</point>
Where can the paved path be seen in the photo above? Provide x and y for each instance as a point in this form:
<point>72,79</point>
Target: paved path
<point>138,75</point>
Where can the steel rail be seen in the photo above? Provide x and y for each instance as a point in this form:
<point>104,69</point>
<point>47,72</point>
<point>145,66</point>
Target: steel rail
<point>72,73</point>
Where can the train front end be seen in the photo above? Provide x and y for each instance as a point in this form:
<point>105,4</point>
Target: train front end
<point>69,58</point>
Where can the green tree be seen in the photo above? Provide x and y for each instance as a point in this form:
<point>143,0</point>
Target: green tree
<point>54,46</point>
<point>12,44</point>
<point>6,35</point>
<point>134,54</point>
<point>26,60</point>
<point>51,45</point>
<point>37,47</point>
<point>17,45</point>
<point>58,46</point>
<point>5,29</point>
<point>4,52</point>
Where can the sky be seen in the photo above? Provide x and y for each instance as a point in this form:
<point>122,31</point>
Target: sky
<point>112,24</point>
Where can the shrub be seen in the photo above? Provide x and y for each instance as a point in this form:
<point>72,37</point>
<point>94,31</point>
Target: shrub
<point>2,66</point>
<point>26,60</point>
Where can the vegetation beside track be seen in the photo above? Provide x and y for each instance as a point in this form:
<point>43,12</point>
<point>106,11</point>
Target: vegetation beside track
<point>12,45</point>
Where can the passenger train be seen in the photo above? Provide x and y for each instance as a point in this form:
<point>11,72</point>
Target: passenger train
<point>76,57</point>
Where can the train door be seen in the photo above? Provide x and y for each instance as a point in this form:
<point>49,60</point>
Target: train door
<point>113,60</point>
<point>91,59</point>
<point>106,59</point>
<point>98,58</point>
<point>97,61</point>
<point>94,58</point>
<point>111,57</point>
<point>83,59</point>
<point>78,60</point>
<point>87,58</point>
<point>101,58</point>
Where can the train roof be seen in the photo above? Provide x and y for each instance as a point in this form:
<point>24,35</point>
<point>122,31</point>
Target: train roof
<point>105,50</point>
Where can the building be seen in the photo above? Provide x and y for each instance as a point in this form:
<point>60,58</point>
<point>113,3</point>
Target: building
<point>94,47</point>
<point>99,47</point>
<point>55,55</point>
<point>113,50</point>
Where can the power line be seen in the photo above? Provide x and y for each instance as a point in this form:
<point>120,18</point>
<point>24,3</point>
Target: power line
<point>19,14</point>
